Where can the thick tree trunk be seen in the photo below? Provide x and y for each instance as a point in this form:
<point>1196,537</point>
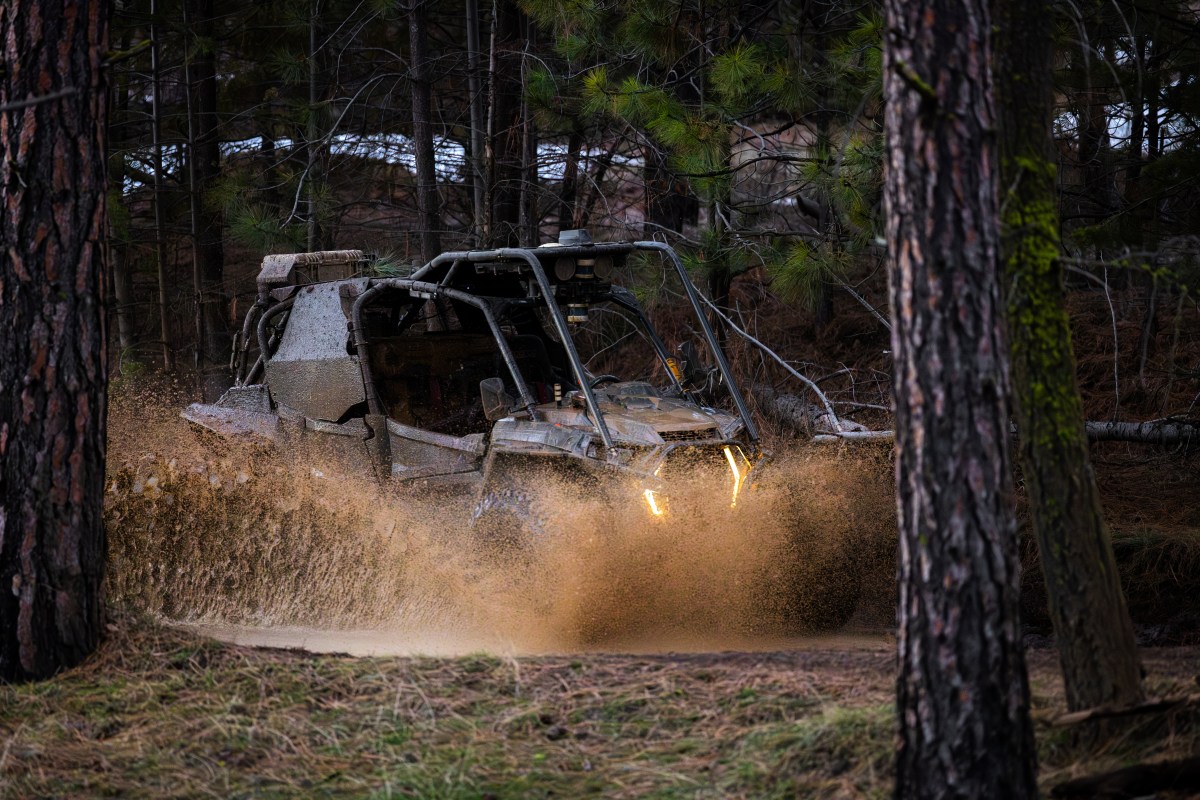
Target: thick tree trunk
<point>52,368</point>
<point>1096,644</point>
<point>422,110</point>
<point>963,697</point>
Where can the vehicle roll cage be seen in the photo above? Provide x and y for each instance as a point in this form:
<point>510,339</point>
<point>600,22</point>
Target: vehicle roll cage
<point>419,285</point>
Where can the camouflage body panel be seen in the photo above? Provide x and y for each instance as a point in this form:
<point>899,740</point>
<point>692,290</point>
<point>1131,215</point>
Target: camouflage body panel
<point>311,371</point>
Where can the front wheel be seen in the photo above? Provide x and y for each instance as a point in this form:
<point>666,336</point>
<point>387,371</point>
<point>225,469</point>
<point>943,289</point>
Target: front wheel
<point>505,519</point>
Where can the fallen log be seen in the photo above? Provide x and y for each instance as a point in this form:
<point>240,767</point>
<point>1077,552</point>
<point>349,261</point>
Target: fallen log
<point>1136,781</point>
<point>1160,432</point>
<point>787,409</point>
<point>855,436</point>
<point>1110,712</point>
<point>801,416</point>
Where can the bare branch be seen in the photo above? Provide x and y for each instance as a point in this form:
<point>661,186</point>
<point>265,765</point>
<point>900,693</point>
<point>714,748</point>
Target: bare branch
<point>837,423</point>
<point>36,101</point>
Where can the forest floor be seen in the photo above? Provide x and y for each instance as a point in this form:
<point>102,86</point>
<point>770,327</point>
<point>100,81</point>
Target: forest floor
<point>168,713</point>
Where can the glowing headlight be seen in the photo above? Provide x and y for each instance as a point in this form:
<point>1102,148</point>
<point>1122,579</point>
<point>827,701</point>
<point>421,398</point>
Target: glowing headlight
<point>739,477</point>
<point>652,503</point>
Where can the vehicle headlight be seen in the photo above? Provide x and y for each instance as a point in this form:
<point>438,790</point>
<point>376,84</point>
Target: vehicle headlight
<point>740,470</point>
<point>656,504</point>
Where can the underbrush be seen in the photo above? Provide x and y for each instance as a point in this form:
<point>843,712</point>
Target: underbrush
<point>1160,575</point>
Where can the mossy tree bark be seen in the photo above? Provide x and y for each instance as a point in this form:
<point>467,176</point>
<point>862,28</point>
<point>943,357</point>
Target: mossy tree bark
<point>963,697</point>
<point>1095,637</point>
<point>52,369</point>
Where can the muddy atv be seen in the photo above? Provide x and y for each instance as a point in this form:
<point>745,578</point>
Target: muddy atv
<point>484,371</point>
<point>471,372</point>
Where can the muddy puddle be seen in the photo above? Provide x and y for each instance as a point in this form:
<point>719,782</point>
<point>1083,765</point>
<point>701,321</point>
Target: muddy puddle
<point>247,547</point>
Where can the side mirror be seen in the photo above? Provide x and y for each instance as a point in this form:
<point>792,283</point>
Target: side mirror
<point>497,403</point>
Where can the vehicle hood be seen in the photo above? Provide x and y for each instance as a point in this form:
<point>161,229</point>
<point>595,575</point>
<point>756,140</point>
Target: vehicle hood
<point>644,419</point>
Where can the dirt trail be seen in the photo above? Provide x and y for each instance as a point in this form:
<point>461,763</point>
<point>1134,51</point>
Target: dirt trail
<point>398,640</point>
<point>252,549</point>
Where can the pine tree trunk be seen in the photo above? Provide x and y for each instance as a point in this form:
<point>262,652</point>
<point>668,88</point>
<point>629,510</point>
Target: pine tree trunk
<point>160,245</point>
<point>963,697</point>
<point>504,145</point>
<point>314,171</point>
<point>529,213</point>
<point>1096,642</point>
<point>474,87</point>
<point>52,368</point>
<point>1100,199</point>
<point>422,109</point>
<point>122,280</point>
<point>210,246</point>
<point>122,273</point>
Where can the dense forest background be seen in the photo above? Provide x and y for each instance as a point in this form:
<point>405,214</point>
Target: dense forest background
<point>747,134</point>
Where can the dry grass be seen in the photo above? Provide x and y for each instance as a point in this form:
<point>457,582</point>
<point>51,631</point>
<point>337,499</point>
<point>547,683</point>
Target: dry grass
<point>160,712</point>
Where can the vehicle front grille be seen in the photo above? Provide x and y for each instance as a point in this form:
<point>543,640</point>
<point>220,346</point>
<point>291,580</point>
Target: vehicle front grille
<point>701,435</point>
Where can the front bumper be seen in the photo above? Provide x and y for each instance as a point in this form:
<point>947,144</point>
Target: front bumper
<point>724,473</point>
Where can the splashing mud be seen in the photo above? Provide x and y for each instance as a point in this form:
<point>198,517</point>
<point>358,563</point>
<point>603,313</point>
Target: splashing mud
<point>253,548</point>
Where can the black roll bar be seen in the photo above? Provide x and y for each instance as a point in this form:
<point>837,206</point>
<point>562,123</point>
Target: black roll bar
<point>560,323</point>
<point>722,363</point>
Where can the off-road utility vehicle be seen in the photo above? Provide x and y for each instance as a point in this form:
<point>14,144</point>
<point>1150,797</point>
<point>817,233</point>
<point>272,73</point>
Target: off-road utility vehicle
<point>481,367</point>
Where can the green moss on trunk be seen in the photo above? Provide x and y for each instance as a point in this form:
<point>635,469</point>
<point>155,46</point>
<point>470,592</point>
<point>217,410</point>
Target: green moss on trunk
<point>1095,637</point>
